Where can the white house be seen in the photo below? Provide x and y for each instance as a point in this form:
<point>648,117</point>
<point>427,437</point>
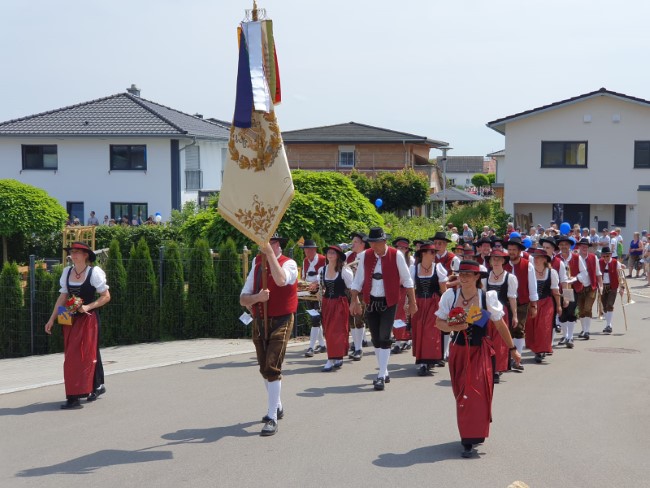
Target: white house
<point>583,160</point>
<point>119,155</point>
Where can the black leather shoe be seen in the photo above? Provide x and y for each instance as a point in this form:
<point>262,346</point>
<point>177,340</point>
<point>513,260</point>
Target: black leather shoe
<point>586,337</point>
<point>515,367</point>
<point>396,349</point>
<point>338,364</point>
<point>386,379</point>
<point>309,353</point>
<point>538,358</point>
<point>440,364</point>
<point>582,334</point>
<point>467,451</point>
<point>497,378</point>
<point>99,391</point>
<point>270,428</point>
<point>422,370</point>
<point>607,330</point>
<point>364,343</point>
<point>357,355</point>
<point>569,344</point>
<point>72,405</point>
<point>562,341</point>
<point>266,418</point>
<point>558,329</point>
<point>378,384</point>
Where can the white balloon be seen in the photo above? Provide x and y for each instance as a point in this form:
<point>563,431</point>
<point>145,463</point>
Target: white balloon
<point>158,218</point>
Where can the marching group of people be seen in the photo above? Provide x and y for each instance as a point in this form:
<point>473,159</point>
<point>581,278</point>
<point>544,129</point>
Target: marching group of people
<point>473,307</point>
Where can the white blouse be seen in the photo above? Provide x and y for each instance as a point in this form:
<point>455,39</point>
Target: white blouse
<point>513,283</point>
<point>440,271</point>
<point>346,274</point>
<point>97,279</point>
<point>494,306</point>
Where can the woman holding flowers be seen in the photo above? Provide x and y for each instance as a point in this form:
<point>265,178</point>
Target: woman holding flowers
<point>80,283</point>
<point>465,313</point>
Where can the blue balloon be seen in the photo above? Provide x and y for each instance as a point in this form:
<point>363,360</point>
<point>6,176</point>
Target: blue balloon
<point>572,239</point>
<point>565,228</point>
<point>515,234</point>
<point>379,202</point>
<point>527,242</point>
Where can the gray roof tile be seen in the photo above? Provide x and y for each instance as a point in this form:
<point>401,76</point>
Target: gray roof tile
<point>117,115</point>
<point>463,164</point>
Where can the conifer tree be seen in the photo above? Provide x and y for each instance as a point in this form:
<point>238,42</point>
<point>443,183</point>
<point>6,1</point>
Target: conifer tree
<point>172,311</point>
<point>142,296</point>
<point>229,285</point>
<point>114,314</point>
<point>55,340</point>
<point>200,291</point>
<point>14,336</point>
<point>43,302</point>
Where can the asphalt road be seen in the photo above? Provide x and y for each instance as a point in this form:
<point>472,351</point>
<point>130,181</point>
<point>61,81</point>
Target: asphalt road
<point>580,420</point>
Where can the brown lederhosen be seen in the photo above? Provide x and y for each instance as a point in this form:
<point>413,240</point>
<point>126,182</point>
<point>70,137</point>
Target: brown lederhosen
<point>585,300</point>
<point>270,353</point>
<point>608,298</point>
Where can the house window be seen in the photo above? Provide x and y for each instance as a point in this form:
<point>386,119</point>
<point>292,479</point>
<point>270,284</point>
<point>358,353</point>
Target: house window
<point>346,156</point>
<point>642,154</point>
<point>193,173</point>
<point>619,215</point>
<point>564,154</point>
<point>137,212</point>
<point>124,157</point>
<point>40,157</point>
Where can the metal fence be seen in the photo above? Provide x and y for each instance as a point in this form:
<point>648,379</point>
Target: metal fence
<point>139,313</point>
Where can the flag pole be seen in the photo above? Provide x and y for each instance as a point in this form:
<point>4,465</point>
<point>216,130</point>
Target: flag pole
<point>265,306</point>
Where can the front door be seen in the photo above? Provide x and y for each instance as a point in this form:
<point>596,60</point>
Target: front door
<point>577,213</point>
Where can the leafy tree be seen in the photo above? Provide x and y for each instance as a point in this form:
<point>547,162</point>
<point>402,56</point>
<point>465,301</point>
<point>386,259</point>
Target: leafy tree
<point>27,210</point>
<point>14,337</point>
<point>155,236</point>
<point>173,293</point>
<point>492,178</point>
<point>115,314</point>
<point>478,214</point>
<point>400,190</point>
<point>229,285</point>
<point>479,179</point>
<point>200,291</point>
<point>142,292</point>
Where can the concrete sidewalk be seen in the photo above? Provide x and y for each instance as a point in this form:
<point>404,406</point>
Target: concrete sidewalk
<point>38,371</point>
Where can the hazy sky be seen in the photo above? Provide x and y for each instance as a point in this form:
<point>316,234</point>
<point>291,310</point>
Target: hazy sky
<point>440,69</point>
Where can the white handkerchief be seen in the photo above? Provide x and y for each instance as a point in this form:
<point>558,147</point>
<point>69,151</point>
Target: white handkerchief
<point>568,294</point>
<point>398,324</point>
<point>313,313</point>
<point>246,318</point>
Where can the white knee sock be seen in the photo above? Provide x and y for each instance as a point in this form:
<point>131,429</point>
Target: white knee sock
<point>313,335</point>
<point>564,330</point>
<point>570,327</point>
<point>446,344</point>
<point>274,399</point>
<point>357,337</point>
<point>519,344</point>
<point>608,317</point>
<point>382,360</point>
<point>328,364</point>
<point>585,322</point>
<point>321,338</point>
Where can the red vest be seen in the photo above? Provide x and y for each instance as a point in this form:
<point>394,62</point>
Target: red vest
<point>574,264</point>
<point>555,263</point>
<point>446,260</point>
<point>319,264</point>
<point>612,269</point>
<point>352,257</point>
<point>283,300</point>
<point>389,271</point>
<point>520,270</point>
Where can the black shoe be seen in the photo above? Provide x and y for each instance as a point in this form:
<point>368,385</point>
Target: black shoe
<point>396,349</point>
<point>422,370</point>
<point>72,405</point>
<point>607,330</point>
<point>338,364</point>
<point>407,346</point>
<point>515,367</point>
<point>558,329</point>
<point>582,334</point>
<point>320,349</point>
<point>562,341</point>
<point>309,353</point>
<point>351,355</point>
<point>440,364</point>
<point>467,451</point>
<point>386,379</point>
<point>357,355</point>
<point>586,336</point>
<point>99,391</point>
<point>497,378</point>
<point>378,384</point>
<point>270,428</point>
<point>569,344</point>
<point>538,358</point>
<point>280,413</point>
<point>364,343</point>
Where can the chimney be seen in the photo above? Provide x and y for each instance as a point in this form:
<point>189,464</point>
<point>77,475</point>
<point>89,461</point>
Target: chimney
<point>134,90</point>
<point>199,116</point>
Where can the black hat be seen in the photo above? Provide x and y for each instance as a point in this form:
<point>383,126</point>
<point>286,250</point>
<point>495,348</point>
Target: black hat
<point>338,250</point>
<point>484,240</point>
<point>549,240</point>
<point>360,235</point>
<point>397,239</point>
<point>539,253</point>
<point>84,247</point>
<point>282,240</point>
<point>516,241</point>
<point>564,238</point>
<point>426,246</point>
<point>605,250</point>
<point>440,236</point>
<point>499,254</point>
<point>309,244</point>
<point>419,241</point>
<point>584,241</point>
<point>376,234</point>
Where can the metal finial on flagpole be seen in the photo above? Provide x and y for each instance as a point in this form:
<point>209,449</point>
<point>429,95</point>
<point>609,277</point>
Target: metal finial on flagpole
<point>255,13</point>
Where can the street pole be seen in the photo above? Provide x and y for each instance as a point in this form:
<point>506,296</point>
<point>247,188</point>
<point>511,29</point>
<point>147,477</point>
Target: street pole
<point>444,185</point>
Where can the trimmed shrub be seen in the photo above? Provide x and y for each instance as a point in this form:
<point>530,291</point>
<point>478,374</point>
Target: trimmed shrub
<point>173,294</point>
<point>44,300</point>
<point>201,287</point>
<point>14,329</point>
<point>55,340</point>
<point>142,293</point>
<point>113,315</point>
<point>229,283</point>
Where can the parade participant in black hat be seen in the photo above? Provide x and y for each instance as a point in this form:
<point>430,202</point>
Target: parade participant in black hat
<point>568,316</point>
<point>589,279</point>
<point>483,249</point>
<point>357,322</point>
<point>335,281</point>
<point>448,259</point>
<point>382,269</point>
<point>551,247</point>
<point>312,263</point>
<point>270,339</point>
<point>83,373</point>
<point>526,292</point>
<point>402,334</point>
<point>430,280</point>
<point>610,267</point>
<point>465,312</point>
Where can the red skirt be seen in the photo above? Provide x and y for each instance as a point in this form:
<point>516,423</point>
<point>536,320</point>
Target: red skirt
<point>539,330</point>
<point>335,314</point>
<point>472,383</point>
<point>501,351</point>
<point>427,338</point>
<point>80,351</point>
<point>401,334</point>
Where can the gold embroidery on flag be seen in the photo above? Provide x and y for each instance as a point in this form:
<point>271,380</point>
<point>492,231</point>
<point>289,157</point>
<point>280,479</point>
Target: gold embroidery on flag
<point>254,141</point>
<point>259,218</point>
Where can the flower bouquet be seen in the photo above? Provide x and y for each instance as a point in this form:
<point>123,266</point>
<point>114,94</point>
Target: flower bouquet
<point>68,309</point>
<point>457,316</point>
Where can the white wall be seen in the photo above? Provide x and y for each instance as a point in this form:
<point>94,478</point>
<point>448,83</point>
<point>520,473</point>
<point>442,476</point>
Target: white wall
<point>610,177</point>
<point>83,173</point>
<point>212,166</point>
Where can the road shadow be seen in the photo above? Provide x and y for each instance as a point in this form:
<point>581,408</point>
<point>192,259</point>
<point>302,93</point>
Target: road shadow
<point>421,455</point>
<point>336,390</point>
<point>101,459</point>
<point>212,434</point>
<point>231,364</point>
<point>32,408</point>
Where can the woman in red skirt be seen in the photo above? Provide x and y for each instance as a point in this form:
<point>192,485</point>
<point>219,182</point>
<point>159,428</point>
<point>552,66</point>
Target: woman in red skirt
<point>430,280</point>
<point>335,280</point>
<point>471,353</point>
<point>539,329</point>
<point>81,280</point>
